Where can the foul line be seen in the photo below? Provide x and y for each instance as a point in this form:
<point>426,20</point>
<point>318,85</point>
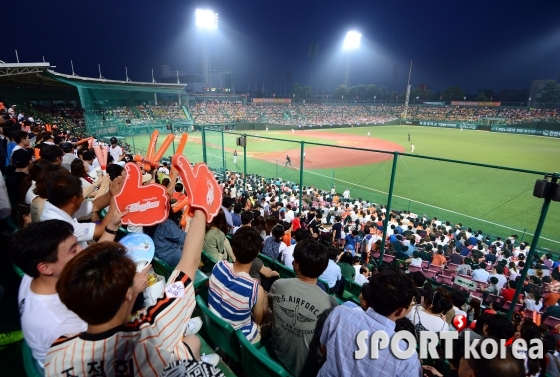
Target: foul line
<point>411,200</point>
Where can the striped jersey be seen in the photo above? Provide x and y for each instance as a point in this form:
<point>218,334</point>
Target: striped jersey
<point>143,347</point>
<point>232,296</point>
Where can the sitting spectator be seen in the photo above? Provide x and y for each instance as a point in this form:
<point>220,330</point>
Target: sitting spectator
<point>509,292</point>
<point>215,242</point>
<point>234,295</point>
<point>499,274</point>
<point>17,174</point>
<point>356,263</point>
<point>389,295</point>
<point>464,268</point>
<point>296,342</point>
<point>346,268</point>
<point>273,246</point>
<point>427,315</point>
<point>144,343</point>
<point>415,261</point>
<point>287,257</point>
<point>168,238</point>
<point>480,274</point>
<point>333,274</point>
<point>533,302</point>
<point>455,257</point>
<point>363,276</point>
<point>483,366</point>
<point>438,259</point>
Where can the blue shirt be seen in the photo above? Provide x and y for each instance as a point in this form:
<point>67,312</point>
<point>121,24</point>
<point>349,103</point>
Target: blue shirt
<point>235,219</point>
<point>339,338</point>
<point>168,241</point>
<point>350,240</point>
<point>331,274</point>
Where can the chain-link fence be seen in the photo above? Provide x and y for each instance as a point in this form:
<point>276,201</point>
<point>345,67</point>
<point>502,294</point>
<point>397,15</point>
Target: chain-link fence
<point>495,200</point>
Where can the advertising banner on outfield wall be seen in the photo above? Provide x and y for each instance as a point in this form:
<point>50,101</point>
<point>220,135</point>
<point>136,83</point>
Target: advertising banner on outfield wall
<point>475,103</point>
<point>525,131</point>
<point>272,100</point>
<point>449,125</point>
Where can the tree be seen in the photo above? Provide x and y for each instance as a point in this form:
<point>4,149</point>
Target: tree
<point>550,93</point>
<point>301,91</point>
<point>482,97</point>
<point>371,91</point>
<point>341,92</point>
<point>382,91</point>
<point>454,93</point>
<point>362,89</point>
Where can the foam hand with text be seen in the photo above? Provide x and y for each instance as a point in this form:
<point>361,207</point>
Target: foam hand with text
<point>201,187</point>
<point>147,205</point>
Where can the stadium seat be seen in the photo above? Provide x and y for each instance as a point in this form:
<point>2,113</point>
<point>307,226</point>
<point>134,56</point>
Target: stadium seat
<point>388,258</point>
<point>285,272</point>
<point>452,266</point>
<point>208,262</point>
<point>257,362</point>
<point>552,321</point>
<point>506,306</point>
<point>442,279</point>
<point>438,269</point>
<point>161,268</point>
<point>414,269</point>
<point>429,274</point>
<point>219,331</point>
<point>267,261</point>
<point>450,273</point>
<point>425,264</point>
<point>494,298</point>
<point>31,366</point>
<point>17,270</point>
<point>326,285</point>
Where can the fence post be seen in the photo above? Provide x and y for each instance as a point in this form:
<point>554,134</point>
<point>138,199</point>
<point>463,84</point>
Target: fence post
<point>133,145</point>
<point>301,176</point>
<point>245,163</point>
<point>533,250</point>
<point>203,129</point>
<point>389,199</point>
<point>223,153</point>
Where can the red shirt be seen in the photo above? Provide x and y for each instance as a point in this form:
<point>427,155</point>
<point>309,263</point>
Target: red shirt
<point>508,294</point>
<point>295,224</point>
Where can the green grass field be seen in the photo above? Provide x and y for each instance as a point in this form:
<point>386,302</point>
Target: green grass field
<point>499,202</point>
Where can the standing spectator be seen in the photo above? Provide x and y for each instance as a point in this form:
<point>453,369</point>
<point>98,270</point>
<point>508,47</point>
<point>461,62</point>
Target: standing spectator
<point>295,340</point>
<point>116,151</point>
<point>389,295</point>
<point>336,230</point>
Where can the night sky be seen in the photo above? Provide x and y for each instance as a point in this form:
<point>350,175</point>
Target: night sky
<point>494,44</point>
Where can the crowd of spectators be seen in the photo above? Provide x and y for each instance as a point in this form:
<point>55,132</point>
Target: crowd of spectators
<point>322,115</point>
<point>308,320</point>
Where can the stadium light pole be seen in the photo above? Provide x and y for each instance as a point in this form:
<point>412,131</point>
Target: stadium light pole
<point>206,20</point>
<point>351,42</point>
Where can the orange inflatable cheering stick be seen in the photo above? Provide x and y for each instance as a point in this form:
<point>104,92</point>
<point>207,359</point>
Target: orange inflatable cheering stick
<point>101,153</point>
<point>138,158</point>
<point>201,187</point>
<point>151,149</point>
<point>182,143</point>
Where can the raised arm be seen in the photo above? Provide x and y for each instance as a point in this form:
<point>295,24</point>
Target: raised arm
<point>193,245</point>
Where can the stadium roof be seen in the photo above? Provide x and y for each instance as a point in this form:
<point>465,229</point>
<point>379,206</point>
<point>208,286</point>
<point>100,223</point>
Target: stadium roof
<point>33,75</point>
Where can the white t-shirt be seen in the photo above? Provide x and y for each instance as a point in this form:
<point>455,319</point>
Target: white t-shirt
<point>82,231</point>
<point>163,170</point>
<point>360,279</point>
<point>287,255</point>
<point>44,318</point>
<point>502,280</point>
<point>430,322</point>
<point>480,275</point>
<point>416,262</point>
<point>30,195</point>
<point>116,153</point>
<point>531,305</point>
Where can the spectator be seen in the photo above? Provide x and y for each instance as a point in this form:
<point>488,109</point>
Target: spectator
<point>333,274</point>
<point>146,343</point>
<point>480,367</point>
<point>415,261</point>
<point>17,174</point>
<point>389,295</point>
<point>502,279</point>
<point>215,242</point>
<point>438,259</point>
<point>52,153</point>
<point>273,246</point>
<point>233,295</point>
<point>480,274</point>
<point>296,342</point>
<point>346,268</point>
<point>286,257</point>
<point>426,315</point>
<point>363,276</point>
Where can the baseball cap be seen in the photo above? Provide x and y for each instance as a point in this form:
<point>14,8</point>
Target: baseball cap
<point>350,247</point>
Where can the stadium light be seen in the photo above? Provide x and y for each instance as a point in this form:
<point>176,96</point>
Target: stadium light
<point>206,19</point>
<point>352,40</point>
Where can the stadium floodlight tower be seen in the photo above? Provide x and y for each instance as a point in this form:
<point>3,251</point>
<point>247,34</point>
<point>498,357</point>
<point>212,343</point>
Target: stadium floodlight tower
<point>206,20</point>
<point>351,42</point>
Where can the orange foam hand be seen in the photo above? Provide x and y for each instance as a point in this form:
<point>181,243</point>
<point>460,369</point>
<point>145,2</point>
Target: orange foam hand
<point>147,205</point>
<point>201,187</point>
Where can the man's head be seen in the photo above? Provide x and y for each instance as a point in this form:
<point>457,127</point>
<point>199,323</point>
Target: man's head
<point>44,248</point>
<point>21,158</point>
<point>364,271</point>
<point>246,217</point>
<point>498,327</point>
<point>65,190</point>
<point>103,274</point>
<point>310,258</point>
<point>496,366</point>
<point>21,138</point>
<point>113,141</point>
<point>67,147</point>
<point>418,278</point>
<point>246,244</point>
<point>52,153</point>
<point>391,293</point>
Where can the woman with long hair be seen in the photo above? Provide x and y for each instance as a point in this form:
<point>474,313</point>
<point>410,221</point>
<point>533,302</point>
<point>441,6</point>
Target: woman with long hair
<point>429,314</point>
<point>215,241</point>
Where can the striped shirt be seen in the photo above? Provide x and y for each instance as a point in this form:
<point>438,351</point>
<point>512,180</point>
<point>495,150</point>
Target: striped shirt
<point>142,347</point>
<point>232,296</point>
